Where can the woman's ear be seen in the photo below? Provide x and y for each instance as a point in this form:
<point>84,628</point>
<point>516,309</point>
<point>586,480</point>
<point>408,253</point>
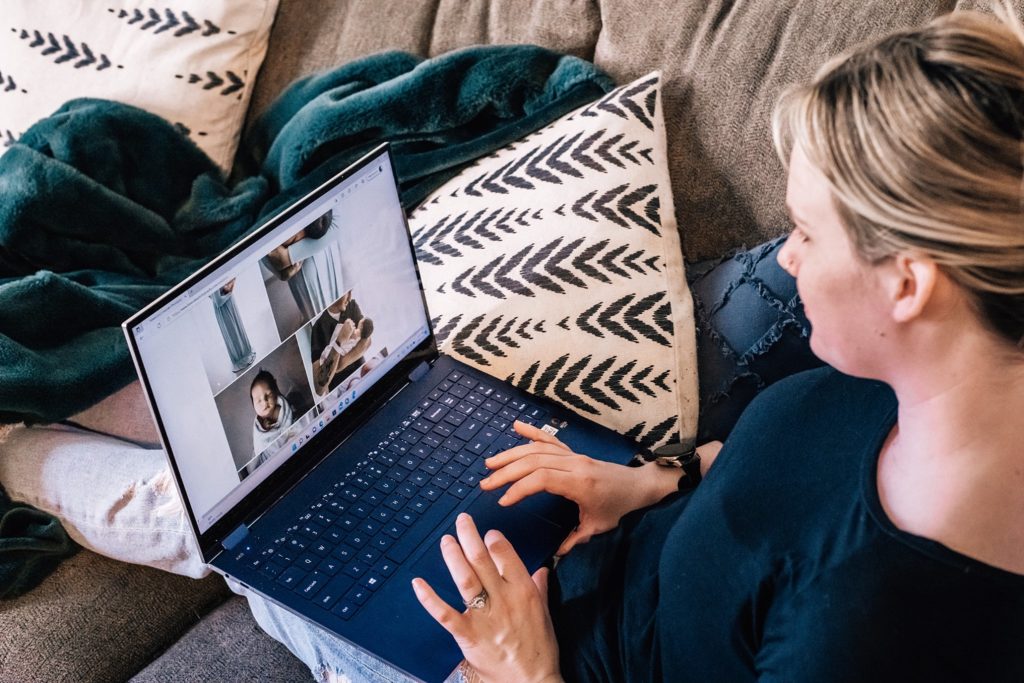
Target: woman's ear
<point>912,286</point>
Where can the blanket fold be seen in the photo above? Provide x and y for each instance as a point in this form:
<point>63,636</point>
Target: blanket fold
<point>32,544</point>
<point>103,207</point>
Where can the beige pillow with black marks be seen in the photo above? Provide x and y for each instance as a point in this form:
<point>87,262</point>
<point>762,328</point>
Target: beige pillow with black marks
<point>555,263</point>
<point>193,62</point>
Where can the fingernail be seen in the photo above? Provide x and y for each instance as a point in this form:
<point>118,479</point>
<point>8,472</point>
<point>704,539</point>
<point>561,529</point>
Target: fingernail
<point>502,500</point>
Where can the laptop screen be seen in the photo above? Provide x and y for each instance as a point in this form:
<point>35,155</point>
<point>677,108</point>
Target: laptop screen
<point>249,362</point>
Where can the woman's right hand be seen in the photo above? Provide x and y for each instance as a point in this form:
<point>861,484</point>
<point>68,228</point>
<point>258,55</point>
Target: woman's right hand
<point>604,491</point>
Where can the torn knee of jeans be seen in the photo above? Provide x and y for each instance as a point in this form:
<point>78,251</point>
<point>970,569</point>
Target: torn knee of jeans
<point>325,674</point>
<point>121,503</point>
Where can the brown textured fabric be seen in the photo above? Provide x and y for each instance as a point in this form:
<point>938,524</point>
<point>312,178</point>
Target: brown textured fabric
<point>227,645</point>
<point>98,620</point>
<point>725,62</point>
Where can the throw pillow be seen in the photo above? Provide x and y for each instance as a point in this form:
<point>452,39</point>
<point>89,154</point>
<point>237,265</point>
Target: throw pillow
<point>752,332</point>
<point>192,62</point>
<point>555,263</point>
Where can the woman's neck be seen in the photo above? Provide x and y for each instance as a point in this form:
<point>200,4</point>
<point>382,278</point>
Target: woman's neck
<point>953,467</point>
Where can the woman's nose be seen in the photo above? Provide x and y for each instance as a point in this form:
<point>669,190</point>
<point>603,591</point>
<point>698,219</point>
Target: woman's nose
<point>787,256</point>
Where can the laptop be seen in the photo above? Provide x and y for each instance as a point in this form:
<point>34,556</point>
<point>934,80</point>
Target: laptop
<point>320,443</point>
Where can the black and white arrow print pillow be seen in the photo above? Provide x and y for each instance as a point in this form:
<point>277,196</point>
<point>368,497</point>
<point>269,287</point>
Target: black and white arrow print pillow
<point>555,263</point>
<point>192,62</point>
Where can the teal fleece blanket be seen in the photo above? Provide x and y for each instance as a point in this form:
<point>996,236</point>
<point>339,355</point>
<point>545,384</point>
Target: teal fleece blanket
<point>103,207</point>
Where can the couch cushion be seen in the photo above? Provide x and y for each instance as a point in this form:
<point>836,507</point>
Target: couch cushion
<point>554,263</point>
<point>191,61</point>
<point>227,645</point>
<point>99,620</point>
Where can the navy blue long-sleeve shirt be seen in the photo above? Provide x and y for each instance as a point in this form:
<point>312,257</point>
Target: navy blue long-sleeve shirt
<point>783,566</point>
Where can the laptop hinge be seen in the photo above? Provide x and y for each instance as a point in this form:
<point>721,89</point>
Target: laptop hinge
<point>235,537</point>
<point>419,372</point>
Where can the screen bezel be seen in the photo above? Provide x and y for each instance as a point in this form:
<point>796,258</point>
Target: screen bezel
<point>335,432</point>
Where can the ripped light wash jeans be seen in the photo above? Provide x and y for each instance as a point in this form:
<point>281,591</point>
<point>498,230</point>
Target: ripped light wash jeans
<point>331,659</point>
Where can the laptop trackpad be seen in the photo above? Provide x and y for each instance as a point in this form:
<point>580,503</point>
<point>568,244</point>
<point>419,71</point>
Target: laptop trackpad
<point>534,539</point>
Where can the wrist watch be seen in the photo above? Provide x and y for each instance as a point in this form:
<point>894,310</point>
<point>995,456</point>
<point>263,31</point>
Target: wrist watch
<point>678,455</point>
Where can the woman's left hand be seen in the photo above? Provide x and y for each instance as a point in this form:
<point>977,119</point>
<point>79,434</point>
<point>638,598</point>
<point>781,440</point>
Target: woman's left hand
<point>508,635</point>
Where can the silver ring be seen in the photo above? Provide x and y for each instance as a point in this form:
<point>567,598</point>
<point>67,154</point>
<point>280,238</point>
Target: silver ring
<point>478,601</point>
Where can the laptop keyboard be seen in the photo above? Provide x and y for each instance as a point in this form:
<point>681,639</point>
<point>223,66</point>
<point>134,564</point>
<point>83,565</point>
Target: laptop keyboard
<point>355,536</point>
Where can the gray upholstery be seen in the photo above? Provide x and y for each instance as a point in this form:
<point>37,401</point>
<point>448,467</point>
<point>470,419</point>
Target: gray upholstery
<point>724,63</point>
<point>226,645</point>
<point>95,619</point>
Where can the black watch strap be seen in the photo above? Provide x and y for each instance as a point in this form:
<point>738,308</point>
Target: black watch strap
<point>678,455</point>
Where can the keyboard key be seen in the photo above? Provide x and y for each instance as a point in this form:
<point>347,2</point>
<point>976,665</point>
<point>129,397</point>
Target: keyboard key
<point>330,566</point>
<point>508,414</point>
<point>465,408</point>
<point>492,406</point>
<point>358,594</point>
<point>467,382</point>
<point>445,385</point>
<point>371,581</point>
<point>419,505</point>
<point>370,527</point>
<point>453,444</point>
<point>324,519</point>
<point>436,413</point>
<point>373,497</point>
<point>458,391</point>
<point>407,517</point>
<point>320,549</point>
<point>485,391</point>
<point>460,490</point>
<point>442,481</point>
<point>517,405</point>
<point>362,482</point>
<point>409,462</point>
<point>408,490</point>
<point>272,570</point>
<point>395,530</point>
<point>385,567</point>
<point>455,418</point>
<point>312,584</point>
<point>475,398</point>
<point>432,492</point>
<point>387,458</point>
<point>285,556</point>
<point>421,451</point>
<point>291,577</point>
<point>449,401</point>
<point>419,478</point>
<point>311,531</point>
<point>355,569</point>
<point>422,426</point>
<point>344,553</point>
<point>348,523</point>
<point>399,447</point>
<point>399,473</point>
<point>454,469</point>
<point>369,555</point>
<point>500,424</point>
<point>500,396</point>
<point>443,455</point>
<point>455,376</point>
<point>468,429</point>
<point>296,545</point>
<point>505,442</point>
<point>432,440</point>
<point>307,561</point>
<point>435,394</point>
<point>333,591</point>
<point>357,540</point>
<point>431,466</point>
<point>350,493</point>
<point>482,415</point>
<point>444,430</point>
<point>381,542</point>
<point>381,514</point>
<point>395,502</point>
<point>386,485</point>
<point>410,436</point>
<point>360,510</point>
<point>470,478</point>
<point>344,609</point>
<point>465,458</point>
<point>435,514</point>
<point>536,412</point>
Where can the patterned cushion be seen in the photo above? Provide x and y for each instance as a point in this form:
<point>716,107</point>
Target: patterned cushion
<point>191,61</point>
<point>752,333</point>
<point>555,263</point>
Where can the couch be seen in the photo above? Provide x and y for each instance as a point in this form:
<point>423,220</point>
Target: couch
<point>724,62</point>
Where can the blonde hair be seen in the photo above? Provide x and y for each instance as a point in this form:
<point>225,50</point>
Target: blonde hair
<point>921,137</point>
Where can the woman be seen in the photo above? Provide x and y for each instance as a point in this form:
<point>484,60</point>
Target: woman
<point>867,525</point>
<point>274,415</point>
